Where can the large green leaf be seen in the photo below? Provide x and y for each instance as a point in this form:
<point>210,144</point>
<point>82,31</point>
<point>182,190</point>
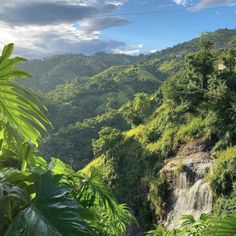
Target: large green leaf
<point>11,198</point>
<point>19,107</point>
<point>52,212</point>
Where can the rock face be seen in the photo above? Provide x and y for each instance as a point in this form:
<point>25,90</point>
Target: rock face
<point>189,193</point>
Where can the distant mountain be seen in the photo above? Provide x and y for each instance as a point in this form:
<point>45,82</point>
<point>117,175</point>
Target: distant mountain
<point>222,38</point>
<point>52,71</point>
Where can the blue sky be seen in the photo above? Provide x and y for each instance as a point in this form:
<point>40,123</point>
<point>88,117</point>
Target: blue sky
<point>170,24</point>
<point>44,27</point>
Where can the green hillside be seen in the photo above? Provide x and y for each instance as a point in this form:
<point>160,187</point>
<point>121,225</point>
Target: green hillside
<point>87,98</point>
<point>50,72</point>
<point>94,99</point>
<point>197,104</point>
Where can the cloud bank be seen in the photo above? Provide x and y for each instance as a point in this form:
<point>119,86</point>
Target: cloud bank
<point>43,27</point>
<point>132,50</point>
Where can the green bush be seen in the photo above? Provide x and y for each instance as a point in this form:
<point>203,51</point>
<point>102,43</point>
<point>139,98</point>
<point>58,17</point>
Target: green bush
<point>223,174</point>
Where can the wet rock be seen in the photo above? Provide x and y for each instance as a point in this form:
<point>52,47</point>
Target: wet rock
<point>189,193</point>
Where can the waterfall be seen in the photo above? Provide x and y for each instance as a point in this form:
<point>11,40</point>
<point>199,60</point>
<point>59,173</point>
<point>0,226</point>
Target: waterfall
<point>186,199</point>
<point>189,192</point>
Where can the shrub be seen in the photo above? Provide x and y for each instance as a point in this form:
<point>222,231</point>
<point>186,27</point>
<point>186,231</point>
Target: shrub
<point>223,174</point>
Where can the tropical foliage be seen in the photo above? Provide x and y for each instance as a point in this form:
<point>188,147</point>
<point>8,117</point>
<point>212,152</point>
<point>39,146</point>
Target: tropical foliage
<point>135,115</point>
<point>206,225</point>
<point>196,103</point>
<point>40,198</point>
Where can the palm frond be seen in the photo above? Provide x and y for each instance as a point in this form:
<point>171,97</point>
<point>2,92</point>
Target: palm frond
<point>224,227</point>
<point>19,107</point>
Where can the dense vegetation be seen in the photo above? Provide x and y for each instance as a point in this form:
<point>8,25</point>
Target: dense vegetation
<point>78,89</point>
<point>40,198</point>
<point>55,70</point>
<point>132,118</point>
<point>75,105</point>
<point>195,103</point>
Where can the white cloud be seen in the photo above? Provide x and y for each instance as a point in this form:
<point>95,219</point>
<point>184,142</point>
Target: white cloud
<point>53,39</point>
<point>153,50</point>
<point>97,24</point>
<point>42,27</point>
<point>181,2</point>
<point>213,3</point>
<point>133,50</point>
<point>140,45</point>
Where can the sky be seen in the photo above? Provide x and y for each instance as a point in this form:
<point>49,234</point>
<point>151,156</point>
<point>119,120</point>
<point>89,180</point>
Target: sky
<point>40,28</point>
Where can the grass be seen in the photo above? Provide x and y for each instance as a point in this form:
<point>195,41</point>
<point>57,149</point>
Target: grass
<point>167,66</point>
<point>225,155</point>
<point>180,165</point>
<point>135,132</point>
<point>101,164</point>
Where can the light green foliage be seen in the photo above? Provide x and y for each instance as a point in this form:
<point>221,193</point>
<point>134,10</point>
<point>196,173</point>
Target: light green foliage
<point>224,206</point>
<point>166,131</point>
<point>221,177</point>
<point>207,224</point>
<point>191,226</point>
<point>109,138</point>
<point>135,111</point>
<point>229,60</point>
<point>160,231</point>
<point>18,105</point>
<point>195,104</point>
<point>180,166</point>
<point>167,66</point>
<point>101,164</point>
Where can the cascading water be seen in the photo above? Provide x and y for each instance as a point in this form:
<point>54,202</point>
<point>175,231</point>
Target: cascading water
<point>189,192</point>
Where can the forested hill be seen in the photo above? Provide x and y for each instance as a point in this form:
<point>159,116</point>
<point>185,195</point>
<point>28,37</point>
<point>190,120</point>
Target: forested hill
<point>52,71</point>
<point>222,38</point>
<point>85,93</point>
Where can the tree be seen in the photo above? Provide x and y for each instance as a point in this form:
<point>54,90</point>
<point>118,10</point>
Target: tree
<point>135,111</point>
<point>229,59</point>
<point>200,64</point>
<point>109,139</point>
<point>141,102</point>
